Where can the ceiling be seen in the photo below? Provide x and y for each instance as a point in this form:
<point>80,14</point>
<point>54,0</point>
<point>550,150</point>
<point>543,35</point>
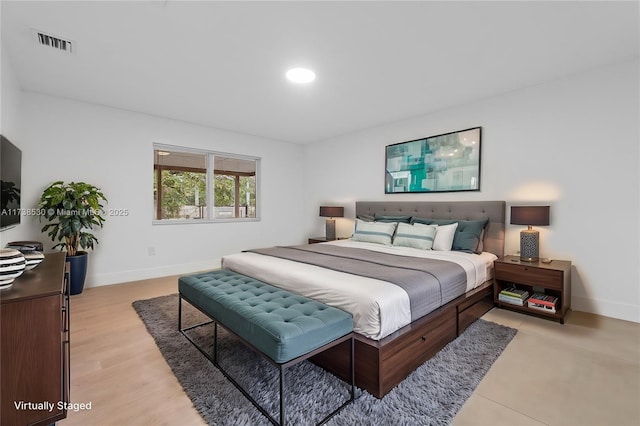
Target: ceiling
<point>222,64</point>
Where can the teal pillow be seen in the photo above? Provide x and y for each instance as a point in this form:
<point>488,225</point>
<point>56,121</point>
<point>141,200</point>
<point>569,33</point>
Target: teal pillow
<point>429,221</point>
<point>366,217</point>
<point>418,236</point>
<point>398,219</point>
<point>469,235</point>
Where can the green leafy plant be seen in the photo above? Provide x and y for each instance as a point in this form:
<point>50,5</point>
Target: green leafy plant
<point>72,209</point>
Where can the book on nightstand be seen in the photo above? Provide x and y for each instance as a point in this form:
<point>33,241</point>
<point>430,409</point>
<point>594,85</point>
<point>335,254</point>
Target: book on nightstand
<point>515,292</point>
<point>513,295</point>
<point>544,300</point>
<point>544,308</point>
<point>511,300</point>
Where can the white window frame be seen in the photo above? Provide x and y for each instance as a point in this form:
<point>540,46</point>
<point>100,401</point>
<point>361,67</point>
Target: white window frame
<point>209,183</point>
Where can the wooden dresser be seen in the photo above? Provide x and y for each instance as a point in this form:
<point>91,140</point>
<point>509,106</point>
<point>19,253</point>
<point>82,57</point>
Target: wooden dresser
<point>34,357</point>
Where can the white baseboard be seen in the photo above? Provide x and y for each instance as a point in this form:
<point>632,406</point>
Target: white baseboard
<point>144,274</point>
<point>607,308</point>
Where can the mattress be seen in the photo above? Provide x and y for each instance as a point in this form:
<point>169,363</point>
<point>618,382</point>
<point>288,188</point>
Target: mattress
<point>378,307</point>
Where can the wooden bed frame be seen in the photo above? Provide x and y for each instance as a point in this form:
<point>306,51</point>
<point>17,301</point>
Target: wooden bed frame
<point>383,364</point>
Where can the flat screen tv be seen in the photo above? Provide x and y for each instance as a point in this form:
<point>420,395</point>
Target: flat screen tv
<point>10,183</point>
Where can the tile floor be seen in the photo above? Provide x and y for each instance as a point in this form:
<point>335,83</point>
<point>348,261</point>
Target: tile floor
<point>585,372</point>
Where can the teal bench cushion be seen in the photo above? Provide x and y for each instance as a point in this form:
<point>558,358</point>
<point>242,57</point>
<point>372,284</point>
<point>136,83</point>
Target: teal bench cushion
<point>280,324</point>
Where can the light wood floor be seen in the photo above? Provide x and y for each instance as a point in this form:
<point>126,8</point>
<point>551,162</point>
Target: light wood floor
<point>586,372</point>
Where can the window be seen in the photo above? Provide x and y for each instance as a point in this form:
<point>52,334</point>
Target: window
<point>195,185</point>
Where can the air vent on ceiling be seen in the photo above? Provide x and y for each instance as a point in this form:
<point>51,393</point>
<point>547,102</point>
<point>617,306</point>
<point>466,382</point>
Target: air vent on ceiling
<point>54,42</point>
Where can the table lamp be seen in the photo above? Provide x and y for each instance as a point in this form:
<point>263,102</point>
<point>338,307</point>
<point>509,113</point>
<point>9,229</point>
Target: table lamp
<point>529,238</point>
<point>331,212</point>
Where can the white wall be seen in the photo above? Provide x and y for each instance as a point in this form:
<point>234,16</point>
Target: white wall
<point>112,149</point>
<point>9,98</point>
<point>573,143</point>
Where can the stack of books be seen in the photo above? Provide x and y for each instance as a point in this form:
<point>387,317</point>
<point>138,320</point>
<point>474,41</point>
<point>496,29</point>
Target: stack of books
<point>513,296</point>
<point>543,302</point>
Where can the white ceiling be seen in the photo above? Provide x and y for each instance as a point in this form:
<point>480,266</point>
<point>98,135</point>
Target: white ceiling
<point>222,64</point>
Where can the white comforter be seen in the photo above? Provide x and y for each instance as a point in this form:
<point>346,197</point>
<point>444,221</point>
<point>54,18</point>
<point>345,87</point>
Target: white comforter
<point>378,307</point>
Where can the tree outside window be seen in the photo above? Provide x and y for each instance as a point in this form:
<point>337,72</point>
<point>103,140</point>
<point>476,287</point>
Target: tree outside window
<point>181,180</point>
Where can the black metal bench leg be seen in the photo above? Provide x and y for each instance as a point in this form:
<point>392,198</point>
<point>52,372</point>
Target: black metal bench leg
<point>282,396</point>
<point>215,343</point>
<point>214,359</point>
<point>179,312</point>
<point>353,370</point>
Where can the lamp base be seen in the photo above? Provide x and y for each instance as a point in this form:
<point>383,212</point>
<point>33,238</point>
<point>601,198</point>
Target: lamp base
<point>330,229</point>
<point>529,247</point>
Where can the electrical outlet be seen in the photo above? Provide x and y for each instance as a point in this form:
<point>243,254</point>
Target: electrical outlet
<point>152,251</point>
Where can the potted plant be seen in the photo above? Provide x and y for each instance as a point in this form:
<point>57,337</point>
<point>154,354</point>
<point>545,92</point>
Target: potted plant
<point>72,210</point>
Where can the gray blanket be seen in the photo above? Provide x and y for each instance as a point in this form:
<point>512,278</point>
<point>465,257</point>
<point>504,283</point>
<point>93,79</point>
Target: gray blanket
<point>430,283</point>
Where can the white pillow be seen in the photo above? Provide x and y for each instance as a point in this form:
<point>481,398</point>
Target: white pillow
<point>418,235</point>
<point>374,232</point>
<point>444,237</point>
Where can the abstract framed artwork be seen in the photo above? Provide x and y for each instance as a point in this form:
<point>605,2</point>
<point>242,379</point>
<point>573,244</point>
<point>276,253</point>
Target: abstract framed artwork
<point>443,163</point>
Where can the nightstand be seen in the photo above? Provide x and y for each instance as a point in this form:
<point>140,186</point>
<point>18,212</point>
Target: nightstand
<point>314,240</point>
<point>552,278</point>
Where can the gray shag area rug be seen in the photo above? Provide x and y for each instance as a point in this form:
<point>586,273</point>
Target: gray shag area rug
<point>431,395</point>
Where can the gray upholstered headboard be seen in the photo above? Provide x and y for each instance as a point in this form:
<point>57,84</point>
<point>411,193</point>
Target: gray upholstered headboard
<point>464,210</point>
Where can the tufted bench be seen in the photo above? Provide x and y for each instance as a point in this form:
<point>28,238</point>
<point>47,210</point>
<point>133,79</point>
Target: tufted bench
<point>284,327</point>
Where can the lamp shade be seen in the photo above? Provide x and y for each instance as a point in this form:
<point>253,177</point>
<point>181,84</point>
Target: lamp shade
<point>530,215</point>
<point>331,211</point>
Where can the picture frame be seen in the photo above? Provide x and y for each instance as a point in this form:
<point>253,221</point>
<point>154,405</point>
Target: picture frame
<point>449,162</point>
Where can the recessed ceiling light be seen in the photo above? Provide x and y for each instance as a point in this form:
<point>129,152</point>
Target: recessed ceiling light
<point>300,75</point>
<point>163,153</point>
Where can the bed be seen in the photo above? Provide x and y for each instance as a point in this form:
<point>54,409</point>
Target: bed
<point>397,328</point>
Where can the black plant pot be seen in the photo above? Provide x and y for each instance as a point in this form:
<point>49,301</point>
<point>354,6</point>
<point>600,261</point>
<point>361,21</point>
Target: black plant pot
<point>78,272</point>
